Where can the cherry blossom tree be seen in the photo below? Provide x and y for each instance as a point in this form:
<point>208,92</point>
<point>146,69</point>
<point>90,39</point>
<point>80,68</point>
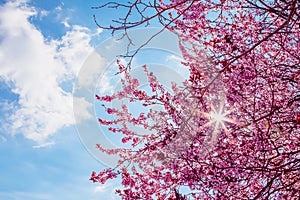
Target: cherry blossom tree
<point>232,131</point>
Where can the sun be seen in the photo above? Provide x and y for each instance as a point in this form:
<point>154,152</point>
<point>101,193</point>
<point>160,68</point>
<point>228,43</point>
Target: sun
<point>218,120</point>
<point>218,117</point>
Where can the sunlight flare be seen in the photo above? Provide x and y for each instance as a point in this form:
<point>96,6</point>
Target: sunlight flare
<point>218,117</point>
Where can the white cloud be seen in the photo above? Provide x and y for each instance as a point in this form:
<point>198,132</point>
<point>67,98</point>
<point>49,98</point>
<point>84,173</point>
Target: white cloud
<point>3,139</point>
<point>101,188</point>
<point>37,68</point>
<point>58,8</point>
<point>47,144</point>
<point>106,85</point>
<point>66,23</point>
<point>92,68</point>
<point>84,108</point>
<point>44,13</point>
<point>174,58</point>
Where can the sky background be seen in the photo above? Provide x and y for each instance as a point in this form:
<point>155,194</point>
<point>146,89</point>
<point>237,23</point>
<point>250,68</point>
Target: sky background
<point>43,45</point>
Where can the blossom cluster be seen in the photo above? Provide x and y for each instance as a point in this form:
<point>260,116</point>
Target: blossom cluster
<point>244,67</point>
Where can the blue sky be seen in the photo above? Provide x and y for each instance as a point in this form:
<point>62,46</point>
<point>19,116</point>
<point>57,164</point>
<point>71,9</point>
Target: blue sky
<point>42,47</point>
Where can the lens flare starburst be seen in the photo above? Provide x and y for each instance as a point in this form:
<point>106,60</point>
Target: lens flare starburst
<point>217,119</point>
